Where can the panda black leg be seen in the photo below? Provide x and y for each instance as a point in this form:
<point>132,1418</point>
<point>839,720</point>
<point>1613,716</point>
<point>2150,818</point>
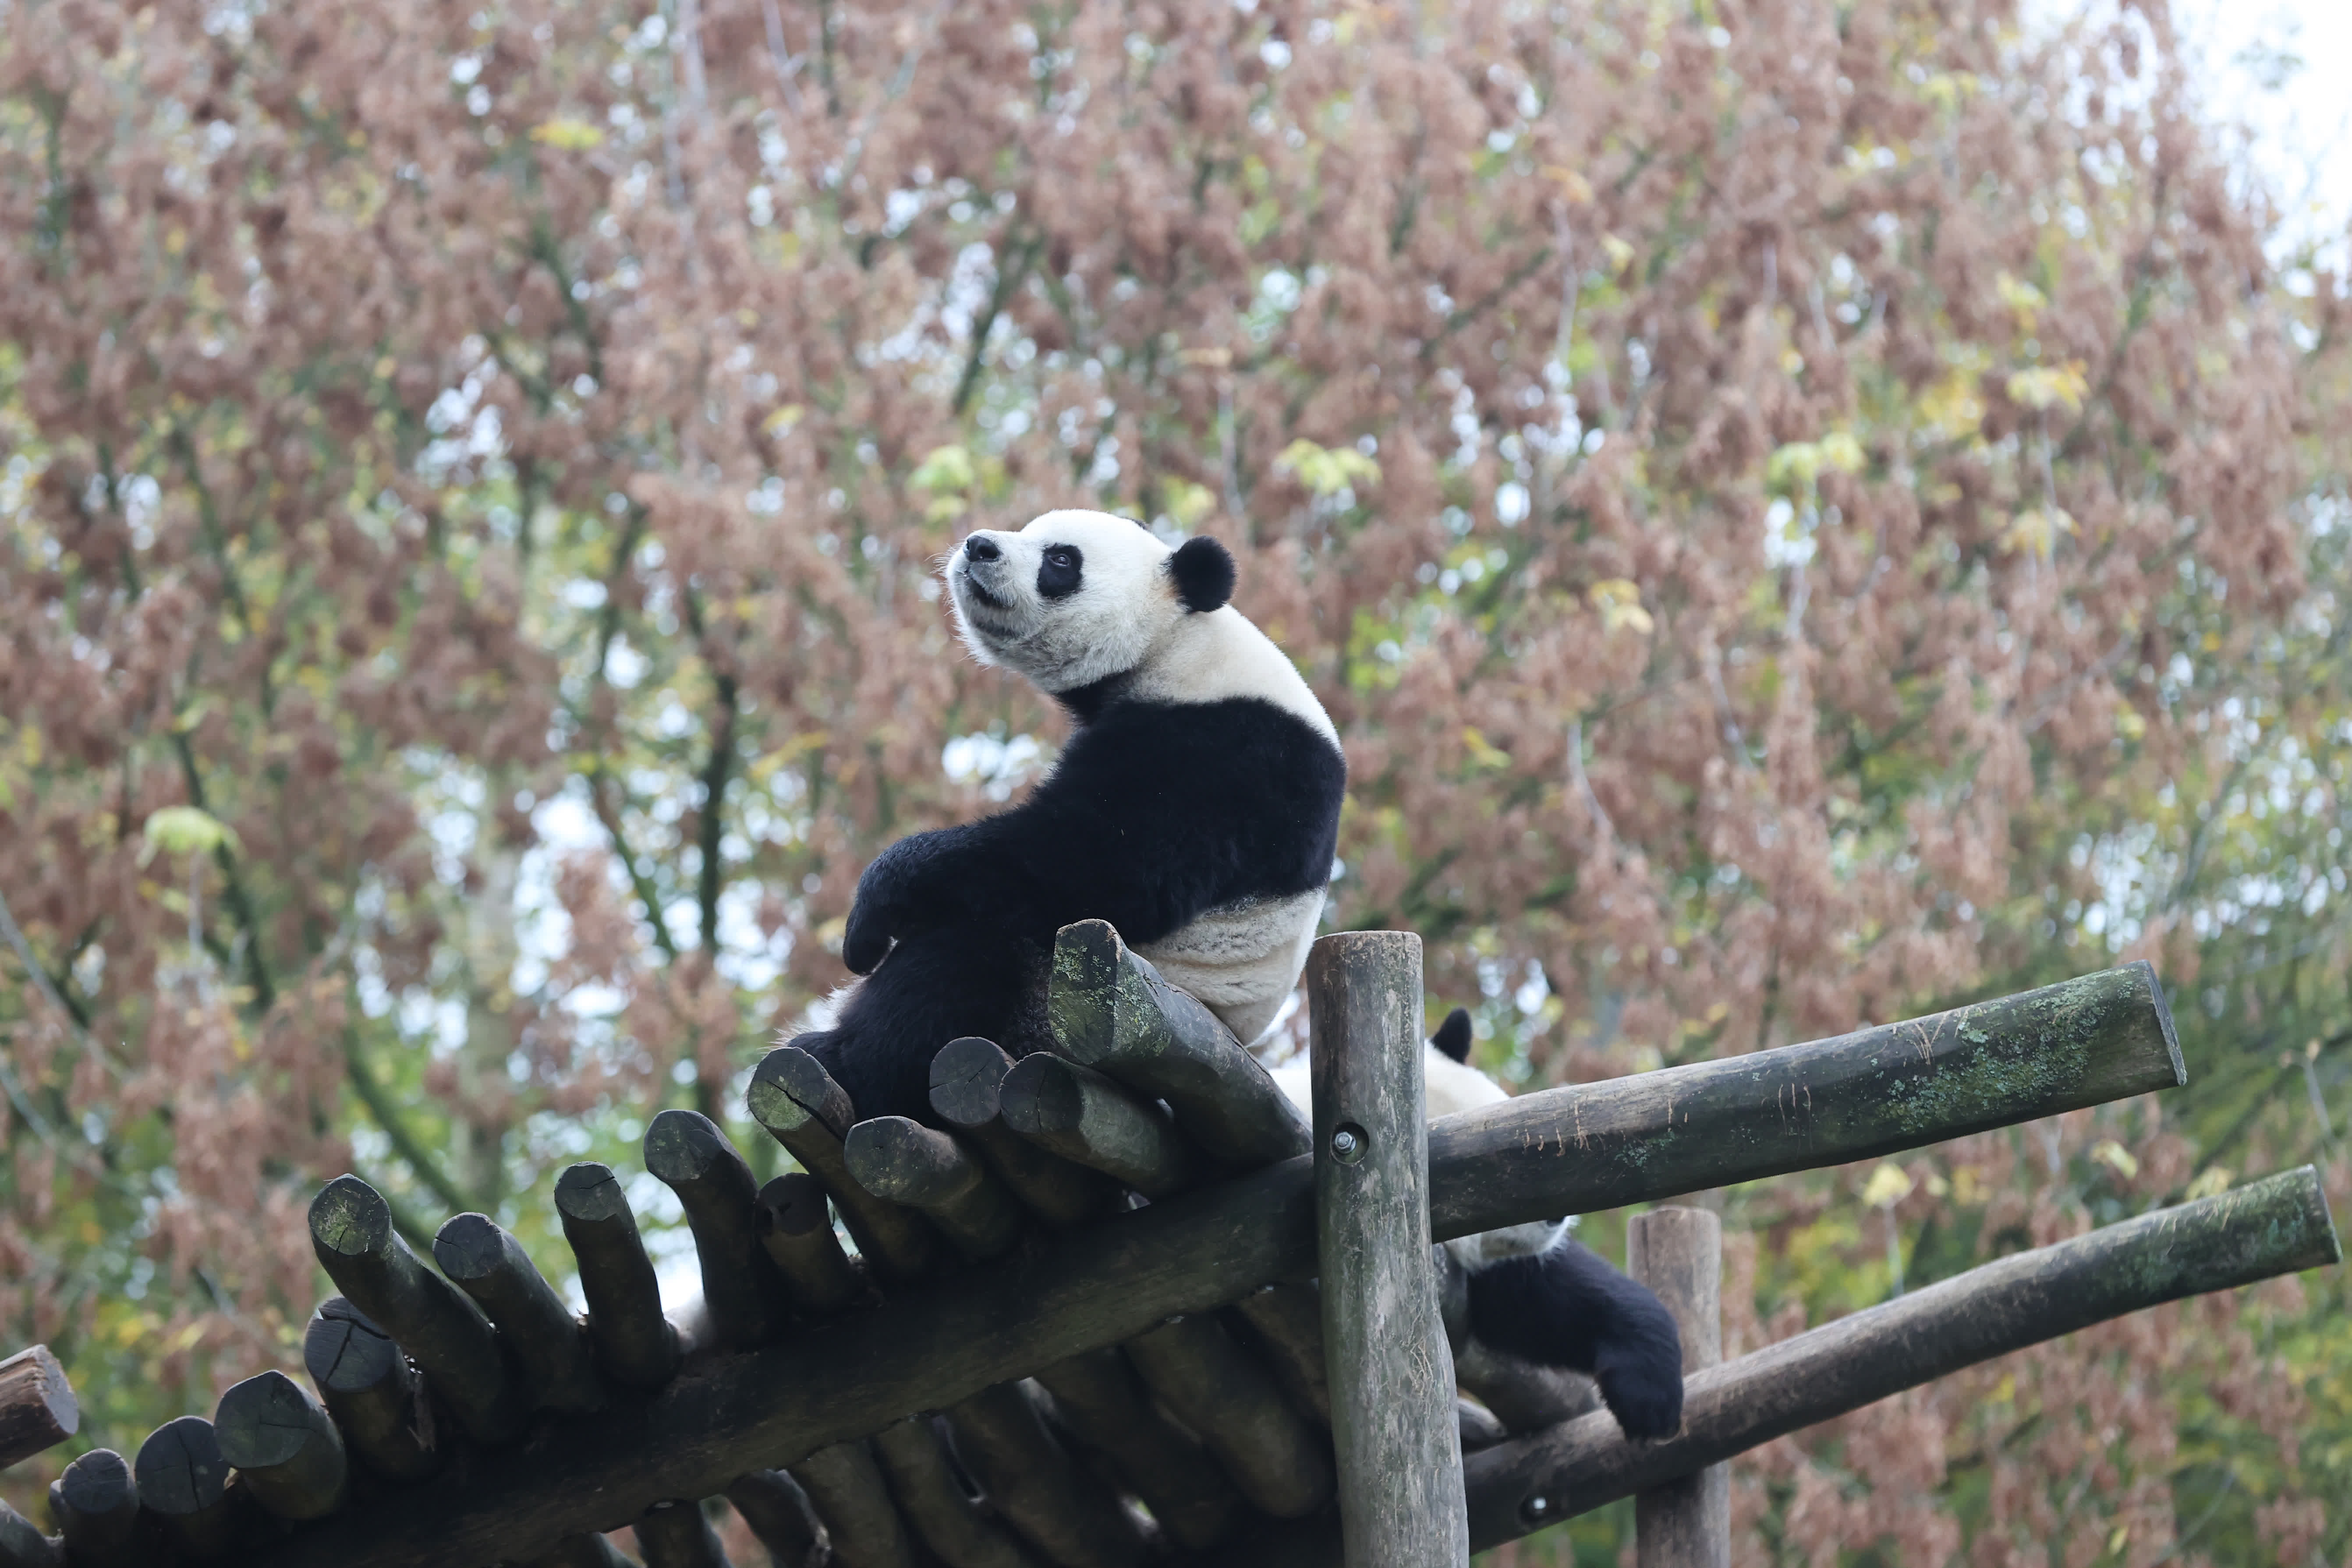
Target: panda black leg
<point>933,987</point>
<point>1565,1306</point>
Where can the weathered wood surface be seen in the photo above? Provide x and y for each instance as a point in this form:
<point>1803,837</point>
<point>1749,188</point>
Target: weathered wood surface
<point>908,1163</point>
<point>2105,1038</point>
<point>22,1544</point>
<point>438,1324</point>
<point>1874,1091</point>
<point>951,1524</point>
<point>2276,1225</point>
<point>1390,1373</point>
<point>184,1480</point>
<point>97,1502</point>
<point>862,1524</point>
<point>1071,1517</point>
<point>547,1341</point>
<point>285,1445</point>
<point>1287,1323</point>
<point>1678,1253</point>
<point>634,1345</point>
<point>1524,1396</point>
<point>1217,1389</point>
<point>966,1085</point>
<point>1086,1116</point>
<point>583,1551</point>
<point>803,1109</point>
<point>781,1518</point>
<point>378,1402</point>
<point>1109,1009</point>
<point>796,1227</point>
<point>742,1288</point>
<point>677,1535</point>
<point>1099,1397</point>
<point>37,1408</point>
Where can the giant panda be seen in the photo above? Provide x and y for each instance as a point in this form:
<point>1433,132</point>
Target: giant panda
<point>1196,808</point>
<point>1534,1292</point>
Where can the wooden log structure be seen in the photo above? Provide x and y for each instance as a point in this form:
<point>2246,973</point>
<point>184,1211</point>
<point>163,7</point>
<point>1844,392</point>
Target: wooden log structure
<point>811,1400</point>
<point>184,1481</point>
<point>438,1324</point>
<point>285,1445</point>
<point>22,1544</point>
<point>634,1343</point>
<point>587,1550</point>
<point>908,1163</point>
<point>2279,1225</point>
<point>37,1408</point>
<point>1098,1397</point>
<point>1678,1253</point>
<point>796,1227</point>
<point>950,1521</point>
<point>966,1092</point>
<point>96,1501</point>
<point>743,1290</point>
<point>1032,1481</point>
<point>678,1535</point>
<point>1109,1009</point>
<point>863,1526</point>
<point>1390,1372</point>
<point>1092,1121</point>
<point>782,1519</point>
<point>379,1404</point>
<point>1270,1453</point>
<point>803,1109</point>
<point>548,1341</point>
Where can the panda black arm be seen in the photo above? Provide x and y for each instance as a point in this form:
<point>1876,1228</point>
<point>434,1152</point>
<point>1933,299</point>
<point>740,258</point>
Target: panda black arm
<point>1565,1306</point>
<point>1157,812</point>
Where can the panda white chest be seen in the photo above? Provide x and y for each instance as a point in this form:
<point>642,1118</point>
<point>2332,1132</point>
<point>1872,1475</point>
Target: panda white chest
<point>1241,960</point>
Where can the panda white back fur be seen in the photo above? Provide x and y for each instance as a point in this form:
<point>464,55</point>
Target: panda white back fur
<point>1196,808</point>
<point>1534,1292</point>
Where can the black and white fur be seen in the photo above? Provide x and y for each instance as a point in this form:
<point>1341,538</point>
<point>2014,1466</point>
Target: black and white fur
<point>1196,808</point>
<point>1537,1294</point>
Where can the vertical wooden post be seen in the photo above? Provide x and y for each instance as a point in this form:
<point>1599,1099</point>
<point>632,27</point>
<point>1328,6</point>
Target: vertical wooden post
<point>1678,1253</point>
<point>1401,1499</point>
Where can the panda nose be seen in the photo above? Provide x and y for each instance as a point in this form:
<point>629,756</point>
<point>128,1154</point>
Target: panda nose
<point>980,547</point>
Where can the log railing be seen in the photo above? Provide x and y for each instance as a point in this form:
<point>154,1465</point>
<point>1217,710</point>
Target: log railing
<point>1008,1251</point>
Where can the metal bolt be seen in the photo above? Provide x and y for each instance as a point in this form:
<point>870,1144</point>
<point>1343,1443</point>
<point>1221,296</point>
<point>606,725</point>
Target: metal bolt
<point>1535,1508</point>
<point>1348,1144</point>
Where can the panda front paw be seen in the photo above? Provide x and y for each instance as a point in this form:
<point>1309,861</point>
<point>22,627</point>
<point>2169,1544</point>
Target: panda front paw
<point>866,940</point>
<point>1640,1379</point>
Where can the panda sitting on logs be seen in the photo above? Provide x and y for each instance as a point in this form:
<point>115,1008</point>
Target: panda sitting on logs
<point>1196,808</point>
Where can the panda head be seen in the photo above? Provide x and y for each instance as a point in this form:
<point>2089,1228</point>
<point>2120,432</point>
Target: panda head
<point>1079,597</point>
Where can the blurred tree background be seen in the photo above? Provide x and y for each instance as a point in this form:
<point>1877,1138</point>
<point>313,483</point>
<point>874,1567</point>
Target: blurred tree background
<point>1804,511</point>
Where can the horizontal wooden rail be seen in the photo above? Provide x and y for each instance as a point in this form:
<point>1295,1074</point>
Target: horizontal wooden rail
<point>1563,1151</point>
<point>2279,1225</point>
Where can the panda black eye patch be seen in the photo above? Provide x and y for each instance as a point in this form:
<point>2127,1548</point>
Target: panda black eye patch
<point>1058,575</point>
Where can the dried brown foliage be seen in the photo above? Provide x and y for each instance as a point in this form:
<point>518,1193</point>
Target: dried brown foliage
<point>1746,480</point>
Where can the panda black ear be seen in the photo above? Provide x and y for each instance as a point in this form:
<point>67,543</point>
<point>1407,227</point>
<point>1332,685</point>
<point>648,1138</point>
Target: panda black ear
<point>1452,1036</point>
<point>1203,573</point>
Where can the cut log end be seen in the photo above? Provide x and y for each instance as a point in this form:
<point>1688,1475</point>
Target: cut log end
<point>684,1146</point>
<point>790,1088</point>
<point>469,1248</point>
<point>181,1470</point>
<point>591,1194</point>
<point>37,1407</point>
<point>349,1220</point>
<point>966,1076</point>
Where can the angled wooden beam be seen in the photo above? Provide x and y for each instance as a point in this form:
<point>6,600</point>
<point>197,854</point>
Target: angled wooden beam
<point>1563,1151</point>
<point>2279,1225</point>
